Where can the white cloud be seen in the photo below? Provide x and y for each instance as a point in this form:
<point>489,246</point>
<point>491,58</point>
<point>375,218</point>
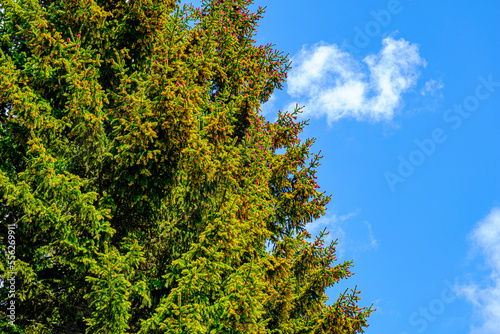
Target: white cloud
<point>431,87</point>
<point>330,81</point>
<point>485,297</point>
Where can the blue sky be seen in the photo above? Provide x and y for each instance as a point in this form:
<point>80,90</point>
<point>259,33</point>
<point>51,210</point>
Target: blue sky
<point>403,99</point>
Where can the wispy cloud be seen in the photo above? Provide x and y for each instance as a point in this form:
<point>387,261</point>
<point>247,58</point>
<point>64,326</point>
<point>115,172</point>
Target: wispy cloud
<point>485,296</point>
<point>373,242</point>
<point>431,87</point>
<point>331,82</point>
<point>333,224</point>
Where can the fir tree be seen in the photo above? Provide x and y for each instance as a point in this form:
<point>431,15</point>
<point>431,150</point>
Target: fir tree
<point>143,183</point>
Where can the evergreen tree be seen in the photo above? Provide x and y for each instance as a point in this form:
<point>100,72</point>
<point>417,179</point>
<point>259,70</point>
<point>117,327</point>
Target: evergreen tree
<point>139,184</point>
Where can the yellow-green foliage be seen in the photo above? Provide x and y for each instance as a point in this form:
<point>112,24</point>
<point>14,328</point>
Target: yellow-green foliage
<point>143,181</point>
